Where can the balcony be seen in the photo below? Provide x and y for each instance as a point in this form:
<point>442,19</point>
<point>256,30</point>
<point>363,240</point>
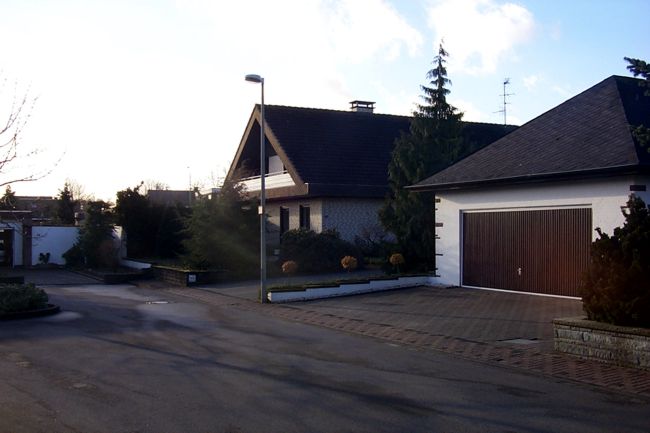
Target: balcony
<point>272,180</point>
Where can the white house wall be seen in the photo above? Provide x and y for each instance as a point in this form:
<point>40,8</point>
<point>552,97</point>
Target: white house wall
<point>53,240</point>
<point>273,213</point>
<point>605,198</point>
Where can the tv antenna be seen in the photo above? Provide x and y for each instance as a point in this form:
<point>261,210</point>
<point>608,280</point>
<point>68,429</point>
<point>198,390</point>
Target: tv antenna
<point>506,81</point>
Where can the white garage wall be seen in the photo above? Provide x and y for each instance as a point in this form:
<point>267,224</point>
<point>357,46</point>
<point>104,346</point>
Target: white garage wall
<point>604,197</point>
<point>53,240</point>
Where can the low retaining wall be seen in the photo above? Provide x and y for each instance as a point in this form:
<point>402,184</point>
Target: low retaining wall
<point>182,277</point>
<point>349,289</point>
<point>134,264</point>
<point>603,342</point>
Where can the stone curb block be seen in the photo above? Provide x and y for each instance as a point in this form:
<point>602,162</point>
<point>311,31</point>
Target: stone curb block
<point>349,289</point>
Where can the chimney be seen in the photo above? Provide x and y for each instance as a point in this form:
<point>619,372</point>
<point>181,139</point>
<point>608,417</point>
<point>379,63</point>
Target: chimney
<point>362,106</point>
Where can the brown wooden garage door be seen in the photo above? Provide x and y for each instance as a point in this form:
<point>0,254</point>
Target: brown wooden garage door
<point>539,251</point>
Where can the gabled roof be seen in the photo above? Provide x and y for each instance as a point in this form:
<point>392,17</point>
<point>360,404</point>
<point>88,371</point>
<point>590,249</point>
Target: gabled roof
<point>334,153</point>
<point>588,135</point>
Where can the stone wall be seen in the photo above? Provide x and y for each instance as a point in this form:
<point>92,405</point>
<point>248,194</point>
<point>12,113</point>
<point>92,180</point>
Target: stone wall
<point>352,216</point>
<point>181,277</point>
<point>603,342</point>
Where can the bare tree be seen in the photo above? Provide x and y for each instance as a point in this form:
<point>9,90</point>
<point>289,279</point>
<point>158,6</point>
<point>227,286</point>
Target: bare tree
<point>152,184</point>
<point>78,191</point>
<point>16,115</point>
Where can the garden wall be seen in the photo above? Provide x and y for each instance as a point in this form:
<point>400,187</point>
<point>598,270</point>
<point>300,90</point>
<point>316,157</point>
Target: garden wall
<point>182,277</point>
<point>603,342</point>
<point>53,240</point>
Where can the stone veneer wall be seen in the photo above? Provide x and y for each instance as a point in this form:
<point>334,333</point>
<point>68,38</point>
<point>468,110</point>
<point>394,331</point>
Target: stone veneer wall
<point>351,216</point>
<point>603,342</point>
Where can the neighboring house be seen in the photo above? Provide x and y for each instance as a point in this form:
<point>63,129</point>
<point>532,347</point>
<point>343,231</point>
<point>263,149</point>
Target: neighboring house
<point>43,208</point>
<point>328,169</point>
<point>15,226</point>
<point>520,213</point>
<point>23,243</point>
<point>168,197</point>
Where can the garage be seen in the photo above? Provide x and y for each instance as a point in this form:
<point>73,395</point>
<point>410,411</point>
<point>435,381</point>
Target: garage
<point>536,251</point>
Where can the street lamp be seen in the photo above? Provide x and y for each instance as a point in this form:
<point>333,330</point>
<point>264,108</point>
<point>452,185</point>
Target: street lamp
<point>253,78</point>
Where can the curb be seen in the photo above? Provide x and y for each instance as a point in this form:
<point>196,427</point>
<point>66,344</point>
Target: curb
<point>47,311</point>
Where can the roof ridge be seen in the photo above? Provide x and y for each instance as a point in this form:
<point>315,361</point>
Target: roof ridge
<point>466,122</point>
<point>331,110</point>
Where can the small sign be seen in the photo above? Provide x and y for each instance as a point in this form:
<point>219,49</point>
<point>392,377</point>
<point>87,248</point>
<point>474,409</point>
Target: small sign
<point>191,278</point>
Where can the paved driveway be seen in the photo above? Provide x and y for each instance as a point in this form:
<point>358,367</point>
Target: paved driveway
<point>126,359</point>
<point>506,329</point>
<point>52,276</point>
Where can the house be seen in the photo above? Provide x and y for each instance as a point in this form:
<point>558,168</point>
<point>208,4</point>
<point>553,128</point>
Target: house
<point>43,208</point>
<point>167,197</point>
<point>520,213</point>
<point>328,169</point>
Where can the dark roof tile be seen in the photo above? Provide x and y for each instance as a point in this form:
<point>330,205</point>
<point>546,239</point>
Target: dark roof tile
<point>588,133</point>
<point>339,151</point>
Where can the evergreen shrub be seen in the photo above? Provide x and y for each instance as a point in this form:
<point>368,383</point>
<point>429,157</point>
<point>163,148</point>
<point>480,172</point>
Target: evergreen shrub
<point>21,297</point>
<point>616,287</point>
<point>316,252</point>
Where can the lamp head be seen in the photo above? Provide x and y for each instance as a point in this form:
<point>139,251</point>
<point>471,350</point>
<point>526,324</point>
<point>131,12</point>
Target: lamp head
<point>254,78</point>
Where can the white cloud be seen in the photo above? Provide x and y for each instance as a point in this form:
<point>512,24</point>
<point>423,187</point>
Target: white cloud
<point>148,89</point>
<point>471,113</point>
<point>563,91</point>
<point>531,81</point>
<point>479,33</point>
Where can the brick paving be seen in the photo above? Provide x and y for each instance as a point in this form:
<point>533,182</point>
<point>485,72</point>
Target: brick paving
<point>505,329</point>
<point>52,276</point>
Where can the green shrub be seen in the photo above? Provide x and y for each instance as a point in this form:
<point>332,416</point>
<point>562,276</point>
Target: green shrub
<point>616,287</point>
<point>21,297</point>
<point>316,252</point>
<point>74,256</point>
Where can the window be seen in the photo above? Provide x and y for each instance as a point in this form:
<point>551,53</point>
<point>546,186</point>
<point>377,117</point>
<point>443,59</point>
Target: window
<point>284,220</point>
<point>275,165</point>
<point>305,222</point>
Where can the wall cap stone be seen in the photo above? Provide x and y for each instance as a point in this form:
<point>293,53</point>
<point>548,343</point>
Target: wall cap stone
<point>583,322</point>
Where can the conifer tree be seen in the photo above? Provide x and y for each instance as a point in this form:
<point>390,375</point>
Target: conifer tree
<point>641,68</point>
<point>65,205</point>
<point>8,200</point>
<point>433,142</point>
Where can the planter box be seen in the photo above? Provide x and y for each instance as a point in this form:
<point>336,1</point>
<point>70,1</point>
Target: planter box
<point>619,345</point>
<point>348,289</point>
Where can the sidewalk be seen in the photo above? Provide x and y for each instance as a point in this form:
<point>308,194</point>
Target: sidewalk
<point>507,329</point>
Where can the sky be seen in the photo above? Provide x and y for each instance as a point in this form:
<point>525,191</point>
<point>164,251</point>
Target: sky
<point>123,91</point>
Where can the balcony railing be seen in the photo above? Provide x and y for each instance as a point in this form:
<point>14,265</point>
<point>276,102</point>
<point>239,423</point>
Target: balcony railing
<point>271,181</point>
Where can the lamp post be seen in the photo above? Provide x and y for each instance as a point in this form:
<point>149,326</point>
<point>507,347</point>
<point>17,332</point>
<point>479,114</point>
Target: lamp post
<point>262,209</point>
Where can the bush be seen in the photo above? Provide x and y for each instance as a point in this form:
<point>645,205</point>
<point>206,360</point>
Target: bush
<point>21,297</point>
<point>349,263</point>
<point>223,233</point>
<point>289,267</point>
<point>74,257</point>
<point>616,287</point>
<point>315,252</point>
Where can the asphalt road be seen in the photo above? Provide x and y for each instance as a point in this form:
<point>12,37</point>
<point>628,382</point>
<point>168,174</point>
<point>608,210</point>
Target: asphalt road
<point>116,360</point>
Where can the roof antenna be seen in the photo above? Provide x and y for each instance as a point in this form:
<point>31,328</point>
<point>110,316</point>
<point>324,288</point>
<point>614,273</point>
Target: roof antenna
<point>506,81</point>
